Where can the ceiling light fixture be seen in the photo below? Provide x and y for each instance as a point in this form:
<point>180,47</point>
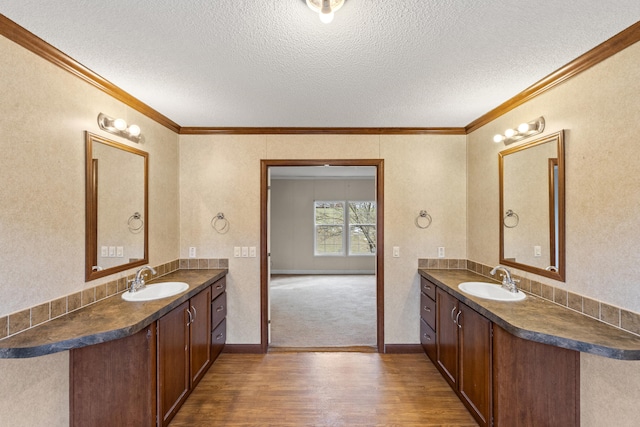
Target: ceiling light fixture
<point>325,8</point>
<point>119,127</point>
<point>524,130</point>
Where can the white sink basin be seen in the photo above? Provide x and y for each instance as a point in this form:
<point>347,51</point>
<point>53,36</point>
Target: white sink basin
<point>490,291</point>
<point>156,291</point>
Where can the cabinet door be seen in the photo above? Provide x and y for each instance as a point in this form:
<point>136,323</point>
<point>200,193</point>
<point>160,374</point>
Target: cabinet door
<point>173,361</point>
<point>447,336</point>
<point>114,383</point>
<point>474,381</point>
<point>200,350</point>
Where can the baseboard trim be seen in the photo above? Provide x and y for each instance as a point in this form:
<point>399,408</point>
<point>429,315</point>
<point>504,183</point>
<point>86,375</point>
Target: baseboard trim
<point>243,348</point>
<point>403,348</point>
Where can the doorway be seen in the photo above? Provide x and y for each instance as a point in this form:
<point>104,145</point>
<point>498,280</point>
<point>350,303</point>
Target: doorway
<point>265,236</point>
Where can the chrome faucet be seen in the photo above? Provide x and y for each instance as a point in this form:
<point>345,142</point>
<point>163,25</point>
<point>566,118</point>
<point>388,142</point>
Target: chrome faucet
<point>507,282</point>
<point>138,282</point>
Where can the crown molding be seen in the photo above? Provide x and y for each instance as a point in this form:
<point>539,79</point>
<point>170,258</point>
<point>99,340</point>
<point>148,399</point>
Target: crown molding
<point>318,131</point>
<point>33,43</point>
<point>593,57</point>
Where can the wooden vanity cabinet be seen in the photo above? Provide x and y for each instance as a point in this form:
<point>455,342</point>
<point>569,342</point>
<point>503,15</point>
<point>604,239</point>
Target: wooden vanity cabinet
<point>184,352</point>
<point>503,380</point>
<point>428,318</point>
<point>218,316</point>
<point>464,354</point>
<point>114,383</point>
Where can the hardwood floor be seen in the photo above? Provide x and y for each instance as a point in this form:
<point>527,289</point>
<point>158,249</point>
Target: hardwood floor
<point>323,389</point>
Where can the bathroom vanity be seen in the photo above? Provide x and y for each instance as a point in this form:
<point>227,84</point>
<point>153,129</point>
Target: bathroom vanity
<point>511,363</point>
<point>135,363</point>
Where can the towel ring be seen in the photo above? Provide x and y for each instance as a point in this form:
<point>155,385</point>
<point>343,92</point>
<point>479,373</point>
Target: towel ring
<point>135,223</point>
<point>511,214</point>
<point>220,223</point>
<point>420,223</point>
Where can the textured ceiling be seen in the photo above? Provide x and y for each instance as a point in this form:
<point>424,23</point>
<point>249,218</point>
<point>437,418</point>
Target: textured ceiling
<point>272,63</point>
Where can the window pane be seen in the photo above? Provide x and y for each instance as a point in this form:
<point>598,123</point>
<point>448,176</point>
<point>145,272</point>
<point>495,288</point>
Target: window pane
<point>329,212</point>
<point>362,213</point>
<point>329,239</point>
<point>362,239</point>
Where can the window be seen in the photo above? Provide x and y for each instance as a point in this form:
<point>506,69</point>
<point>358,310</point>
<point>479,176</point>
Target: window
<point>332,218</point>
<point>329,223</point>
<point>362,228</point>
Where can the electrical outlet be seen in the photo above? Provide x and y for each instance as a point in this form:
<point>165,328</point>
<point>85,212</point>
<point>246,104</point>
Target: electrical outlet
<point>192,252</point>
<point>396,251</point>
<point>236,252</point>
<point>252,252</point>
<point>441,252</point>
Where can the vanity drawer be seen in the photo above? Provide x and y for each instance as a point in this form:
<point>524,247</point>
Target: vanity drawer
<point>218,287</point>
<point>218,309</point>
<point>428,310</point>
<point>428,288</point>
<point>428,340</point>
<point>218,339</point>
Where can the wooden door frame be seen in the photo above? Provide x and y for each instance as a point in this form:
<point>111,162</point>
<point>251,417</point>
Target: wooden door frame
<point>264,280</point>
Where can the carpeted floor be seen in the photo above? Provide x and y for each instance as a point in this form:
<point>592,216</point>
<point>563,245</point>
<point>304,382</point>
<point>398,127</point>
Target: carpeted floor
<point>323,311</point>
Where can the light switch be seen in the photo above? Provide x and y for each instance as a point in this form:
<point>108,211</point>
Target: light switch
<point>119,251</point>
<point>112,251</point>
<point>537,251</point>
<point>245,252</point>
<point>236,251</point>
<point>104,251</point>
<point>252,252</point>
<point>396,251</point>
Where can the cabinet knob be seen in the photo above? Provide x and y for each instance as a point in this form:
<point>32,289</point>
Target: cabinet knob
<point>220,308</point>
<point>427,309</point>
<point>220,286</point>
<point>427,337</point>
<point>219,337</point>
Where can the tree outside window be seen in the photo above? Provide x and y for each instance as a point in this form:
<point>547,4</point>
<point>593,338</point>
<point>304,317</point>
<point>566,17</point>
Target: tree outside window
<point>331,221</point>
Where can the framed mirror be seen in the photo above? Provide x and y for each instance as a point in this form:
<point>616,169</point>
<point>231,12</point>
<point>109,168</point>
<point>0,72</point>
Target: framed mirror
<point>532,227</point>
<point>116,207</point>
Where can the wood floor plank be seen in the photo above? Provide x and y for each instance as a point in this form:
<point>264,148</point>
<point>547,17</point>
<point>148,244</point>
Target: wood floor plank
<point>323,389</point>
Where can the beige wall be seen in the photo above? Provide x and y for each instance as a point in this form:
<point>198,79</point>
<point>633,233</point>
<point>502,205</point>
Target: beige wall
<point>292,224</point>
<point>222,173</point>
<point>599,111</point>
<point>43,115</point>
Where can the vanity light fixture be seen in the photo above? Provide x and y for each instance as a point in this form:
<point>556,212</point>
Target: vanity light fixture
<point>524,130</point>
<point>119,127</point>
<point>325,8</point>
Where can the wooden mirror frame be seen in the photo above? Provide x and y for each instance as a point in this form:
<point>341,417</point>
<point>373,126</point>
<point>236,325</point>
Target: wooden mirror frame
<point>558,137</point>
<point>91,236</point>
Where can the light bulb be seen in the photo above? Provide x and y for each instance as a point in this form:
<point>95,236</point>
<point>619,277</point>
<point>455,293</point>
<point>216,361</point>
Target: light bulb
<point>498,138</point>
<point>134,130</point>
<point>524,127</point>
<point>509,133</point>
<point>120,124</point>
<point>326,17</point>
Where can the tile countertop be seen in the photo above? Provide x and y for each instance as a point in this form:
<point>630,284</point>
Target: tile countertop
<point>109,319</point>
<point>539,320</point>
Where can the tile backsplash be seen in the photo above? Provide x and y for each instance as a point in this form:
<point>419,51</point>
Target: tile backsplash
<point>614,316</point>
<point>33,316</point>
